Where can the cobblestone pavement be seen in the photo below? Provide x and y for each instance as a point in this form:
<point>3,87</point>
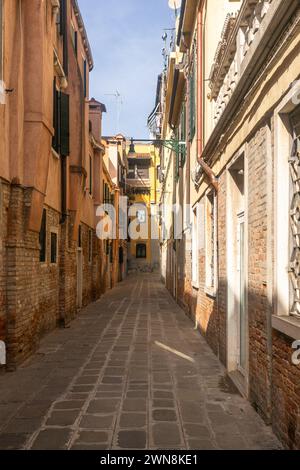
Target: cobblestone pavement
<point>108,382</point>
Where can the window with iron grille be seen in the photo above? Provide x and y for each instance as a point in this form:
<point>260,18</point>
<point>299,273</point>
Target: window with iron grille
<point>107,196</point>
<point>294,235</point>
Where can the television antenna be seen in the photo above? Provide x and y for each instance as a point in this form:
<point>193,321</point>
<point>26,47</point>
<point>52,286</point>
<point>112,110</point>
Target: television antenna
<point>119,103</point>
<point>175,5</point>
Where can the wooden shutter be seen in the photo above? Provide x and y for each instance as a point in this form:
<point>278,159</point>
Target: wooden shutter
<point>56,118</point>
<point>192,86</point>
<point>65,124</point>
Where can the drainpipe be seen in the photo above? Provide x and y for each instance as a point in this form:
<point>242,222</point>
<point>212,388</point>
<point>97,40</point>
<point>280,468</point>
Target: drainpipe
<point>200,134</point>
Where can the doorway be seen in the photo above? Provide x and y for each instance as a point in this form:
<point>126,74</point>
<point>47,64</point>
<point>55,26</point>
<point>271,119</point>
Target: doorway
<point>241,294</point>
<point>237,314</point>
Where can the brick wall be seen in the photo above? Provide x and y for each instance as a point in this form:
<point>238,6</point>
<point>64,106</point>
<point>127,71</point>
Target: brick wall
<point>258,311</point>
<point>36,297</point>
<point>285,392</point>
<point>4,201</point>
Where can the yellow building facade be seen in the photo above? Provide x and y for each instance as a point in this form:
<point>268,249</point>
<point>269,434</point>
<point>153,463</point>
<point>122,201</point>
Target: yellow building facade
<point>142,189</point>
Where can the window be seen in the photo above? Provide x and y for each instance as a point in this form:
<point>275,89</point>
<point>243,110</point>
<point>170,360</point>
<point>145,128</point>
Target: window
<point>142,169</point>
<point>53,252</point>
<point>90,245</point>
<point>294,245</point>
<point>138,169</point>
<point>43,237</point>
<point>106,194</point>
<point>61,138</point>
<point>210,242</point>
<point>141,251</point>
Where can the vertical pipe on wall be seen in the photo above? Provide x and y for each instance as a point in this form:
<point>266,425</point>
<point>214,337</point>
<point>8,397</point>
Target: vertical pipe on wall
<point>200,79</point>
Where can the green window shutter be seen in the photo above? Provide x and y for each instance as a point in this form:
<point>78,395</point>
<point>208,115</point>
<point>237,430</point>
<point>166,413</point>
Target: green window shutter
<point>65,124</point>
<point>183,136</point>
<point>192,85</point>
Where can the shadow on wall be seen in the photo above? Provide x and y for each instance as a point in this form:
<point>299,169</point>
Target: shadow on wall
<point>273,380</point>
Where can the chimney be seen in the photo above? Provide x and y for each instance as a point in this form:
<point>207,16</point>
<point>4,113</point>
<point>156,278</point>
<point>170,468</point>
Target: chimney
<point>96,110</point>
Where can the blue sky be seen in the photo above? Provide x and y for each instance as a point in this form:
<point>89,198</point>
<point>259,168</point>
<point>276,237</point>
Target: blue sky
<point>126,40</point>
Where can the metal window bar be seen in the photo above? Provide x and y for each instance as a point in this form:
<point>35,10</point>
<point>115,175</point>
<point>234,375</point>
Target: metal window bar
<point>294,266</point>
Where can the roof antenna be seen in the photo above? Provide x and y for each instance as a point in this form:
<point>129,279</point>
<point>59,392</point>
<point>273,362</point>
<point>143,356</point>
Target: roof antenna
<point>119,102</point>
<point>175,5</point>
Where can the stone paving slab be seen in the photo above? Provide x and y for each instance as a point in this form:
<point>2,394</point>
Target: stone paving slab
<point>107,383</point>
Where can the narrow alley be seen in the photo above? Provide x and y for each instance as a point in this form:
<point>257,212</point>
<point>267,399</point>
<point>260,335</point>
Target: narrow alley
<point>116,380</point>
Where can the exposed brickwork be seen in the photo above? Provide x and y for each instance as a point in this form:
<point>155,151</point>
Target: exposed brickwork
<point>4,201</point>
<point>273,380</point>
<point>36,297</point>
<point>286,396</point>
<point>259,357</point>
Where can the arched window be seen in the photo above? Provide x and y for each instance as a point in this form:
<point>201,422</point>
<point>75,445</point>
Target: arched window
<point>141,250</point>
